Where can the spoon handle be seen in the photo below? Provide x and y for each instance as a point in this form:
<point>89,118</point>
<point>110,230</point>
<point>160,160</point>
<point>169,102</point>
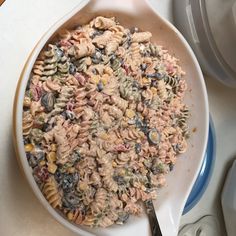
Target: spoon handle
<point>154,224</point>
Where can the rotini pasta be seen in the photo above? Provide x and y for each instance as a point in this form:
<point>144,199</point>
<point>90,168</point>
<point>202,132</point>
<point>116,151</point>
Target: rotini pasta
<point>140,37</point>
<point>51,193</point>
<point>103,121</point>
<point>103,23</point>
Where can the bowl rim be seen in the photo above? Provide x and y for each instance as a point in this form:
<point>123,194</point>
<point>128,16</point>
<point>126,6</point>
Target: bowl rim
<point>17,111</point>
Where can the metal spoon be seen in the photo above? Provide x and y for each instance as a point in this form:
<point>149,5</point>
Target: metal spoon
<point>154,224</point>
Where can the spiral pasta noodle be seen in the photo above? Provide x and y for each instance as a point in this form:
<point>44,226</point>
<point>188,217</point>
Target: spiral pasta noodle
<point>140,37</point>
<point>27,123</point>
<point>51,193</point>
<point>103,23</point>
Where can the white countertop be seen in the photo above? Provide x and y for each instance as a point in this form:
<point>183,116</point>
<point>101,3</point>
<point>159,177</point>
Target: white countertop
<point>22,23</point>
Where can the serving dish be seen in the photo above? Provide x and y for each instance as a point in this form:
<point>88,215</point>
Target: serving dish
<point>206,171</point>
<point>171,199</point>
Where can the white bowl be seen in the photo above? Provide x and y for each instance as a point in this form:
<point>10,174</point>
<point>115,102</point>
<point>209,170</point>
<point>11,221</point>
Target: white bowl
<point>172,198</point>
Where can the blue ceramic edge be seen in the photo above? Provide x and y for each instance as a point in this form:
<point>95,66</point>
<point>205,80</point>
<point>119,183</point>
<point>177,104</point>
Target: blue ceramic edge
<point>205,173</point>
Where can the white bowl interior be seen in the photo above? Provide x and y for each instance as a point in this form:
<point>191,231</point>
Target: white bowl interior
<point>171,199</point>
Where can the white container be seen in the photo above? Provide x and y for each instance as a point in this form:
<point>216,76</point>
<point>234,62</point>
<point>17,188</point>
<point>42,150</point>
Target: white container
<point>210,28</point>
<point>228,201</point>
<point>172,198</point>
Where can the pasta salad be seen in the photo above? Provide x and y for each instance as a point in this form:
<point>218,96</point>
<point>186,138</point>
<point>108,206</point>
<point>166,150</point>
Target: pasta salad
<point>103,121</point>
